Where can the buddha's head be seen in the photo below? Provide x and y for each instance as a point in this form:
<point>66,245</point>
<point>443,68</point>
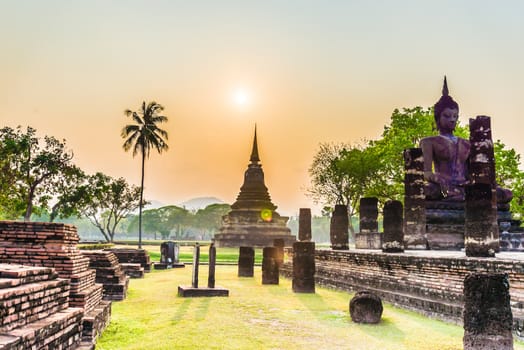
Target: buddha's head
<point>445,102</point>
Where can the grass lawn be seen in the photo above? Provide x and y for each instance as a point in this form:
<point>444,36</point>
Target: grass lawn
<point>224,255</point>
<point>257,316</point>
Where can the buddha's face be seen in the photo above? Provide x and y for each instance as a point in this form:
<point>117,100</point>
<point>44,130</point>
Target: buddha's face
<point>448,120</point>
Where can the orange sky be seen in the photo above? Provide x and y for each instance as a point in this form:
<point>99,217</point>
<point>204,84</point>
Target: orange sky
<point>316,72</point>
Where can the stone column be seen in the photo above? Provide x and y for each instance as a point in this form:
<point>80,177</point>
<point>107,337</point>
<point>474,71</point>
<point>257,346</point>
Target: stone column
<point>279,244</point>
<point>246,262</point>
<point>368,215</point>
<point>487,313</point>
<point>269,266</point>
<point>393,237</point>
<point>304,225</point>
<point>414,200</point>
<point>196,262</point>
<point>338,230</point>
<point>482,232</point>
<point>303,267</point>
<point>481,237</point>
<point>212,263</point>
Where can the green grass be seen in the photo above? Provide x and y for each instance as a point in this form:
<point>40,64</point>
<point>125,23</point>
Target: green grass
<point>224,255</point>
<point>257,316</point>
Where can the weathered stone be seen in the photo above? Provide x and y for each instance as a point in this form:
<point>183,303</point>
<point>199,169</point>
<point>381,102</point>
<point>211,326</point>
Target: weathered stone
<point>303,267</point>
<point>212,264</point>
<point>246,262</point>
<point>487,313</point>
<point>304,224</point>
<point>393,236</point>
<point>481,234</point>
<point>482,155</point>
<point>414,200</point>
<point>338,229</point>
<point>196,263</point>
<point>269,266</point>
<point>365,307</point>
<point>368,215</point>
<point>253,219</point>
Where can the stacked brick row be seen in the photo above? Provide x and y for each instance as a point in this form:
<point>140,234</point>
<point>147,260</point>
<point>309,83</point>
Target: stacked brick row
<point>54,245</point>
<point>133,270</point>
<point>109,273</point>
<point>133,256</point>
<point>430,285</point>
<point>34,311</point>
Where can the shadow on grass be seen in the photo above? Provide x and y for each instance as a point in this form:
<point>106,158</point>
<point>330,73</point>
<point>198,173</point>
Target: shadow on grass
<point>181,311</point>
<point>202,308</point>
<point>385,329</point>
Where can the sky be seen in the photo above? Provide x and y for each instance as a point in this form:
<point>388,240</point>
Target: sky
<point>305,72</point>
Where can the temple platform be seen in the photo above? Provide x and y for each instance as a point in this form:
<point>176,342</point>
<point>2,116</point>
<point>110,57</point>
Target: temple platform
<point>428,282</point>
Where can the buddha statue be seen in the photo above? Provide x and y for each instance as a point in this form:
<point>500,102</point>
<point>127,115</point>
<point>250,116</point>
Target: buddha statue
<point>446,156</point>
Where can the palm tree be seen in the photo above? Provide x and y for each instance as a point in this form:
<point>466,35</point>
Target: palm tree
<point>142,136</point>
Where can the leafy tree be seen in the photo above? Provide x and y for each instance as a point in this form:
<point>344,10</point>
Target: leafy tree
<point>509,175</point>
<point>106,201</point>
<point>71,192</point>
<point>209,219</point>
<point>32,168</point>
<point>167,221</point>
<point>342,174</point>
<point>142,136</point>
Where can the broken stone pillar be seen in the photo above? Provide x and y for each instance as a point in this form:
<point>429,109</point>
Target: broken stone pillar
<point>487,312</point>
<point>303,267</point>
<point>393,237</point>
<point>414,200</point>
<point>338,230</point>
<point>368,215</point>
<point>279,244</point>
<point>269,266</point>
<point>212,263</point>
<point>304,225</point>
<point>481,237</point>
<point>246,262</point>
<point>365,307</point>
<point>196,262</point>
<point>482,171</point>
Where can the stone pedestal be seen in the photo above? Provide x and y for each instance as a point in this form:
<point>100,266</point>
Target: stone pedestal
<point>414,200</point>
<point>304,225</point>
<point>303,267</point>
<point>246,262</point>
<point>270,266</point>
<point>481,236</point>
<point>365,307</point>
<point>368,237</point>
<point>487,314</point>
<point>338,229</point>
<point>393,236</point>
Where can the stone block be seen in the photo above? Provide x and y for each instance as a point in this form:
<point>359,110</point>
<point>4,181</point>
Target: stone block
<point>365,307</point>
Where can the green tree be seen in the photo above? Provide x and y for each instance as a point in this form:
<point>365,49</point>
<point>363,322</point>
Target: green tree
<point>209,219</point>
<point>142,136</point>
<point>32,170</point>
<point>167,221</point>
<point>106,201</point>
<point>342,174</point>
<point>509,175</point>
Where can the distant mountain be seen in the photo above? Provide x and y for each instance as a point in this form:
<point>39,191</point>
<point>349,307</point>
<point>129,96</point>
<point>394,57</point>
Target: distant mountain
<point>200,203</point>
<point>154,205</point>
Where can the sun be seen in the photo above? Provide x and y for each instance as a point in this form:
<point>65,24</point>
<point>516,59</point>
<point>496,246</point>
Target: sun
<point>241,97</point>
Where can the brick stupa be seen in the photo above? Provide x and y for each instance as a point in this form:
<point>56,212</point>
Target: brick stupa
<point>253,220</point>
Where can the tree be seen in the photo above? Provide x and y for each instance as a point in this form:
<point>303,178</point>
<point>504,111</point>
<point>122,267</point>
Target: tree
<point>106,201</point>
<point>342,174</point>
<point>168,221</point>
<point>209,219</point>
<point>508,174</point>
<point>142,137</point>
<point>71,192</point>
<point>32,170</point>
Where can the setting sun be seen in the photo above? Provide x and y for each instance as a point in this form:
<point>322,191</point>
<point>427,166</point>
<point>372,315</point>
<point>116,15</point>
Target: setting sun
<point>241,97</point>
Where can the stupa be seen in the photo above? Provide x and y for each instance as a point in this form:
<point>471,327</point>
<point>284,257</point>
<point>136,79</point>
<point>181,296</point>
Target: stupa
<point>253,220</point>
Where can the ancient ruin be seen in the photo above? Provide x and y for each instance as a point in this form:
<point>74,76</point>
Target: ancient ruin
<point>368,237</point>
<point>270,268</point>
<point>304,225</point>
<point>303,267</point>
<point>109,273</point>
<point>365,307</point>
<point>169,256</point>
<point>195,290</point>
<point>393,236</point>
<point>253,220</point>
<point>338,228</point>
<point>246,262</point>
<point>488,320</point>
